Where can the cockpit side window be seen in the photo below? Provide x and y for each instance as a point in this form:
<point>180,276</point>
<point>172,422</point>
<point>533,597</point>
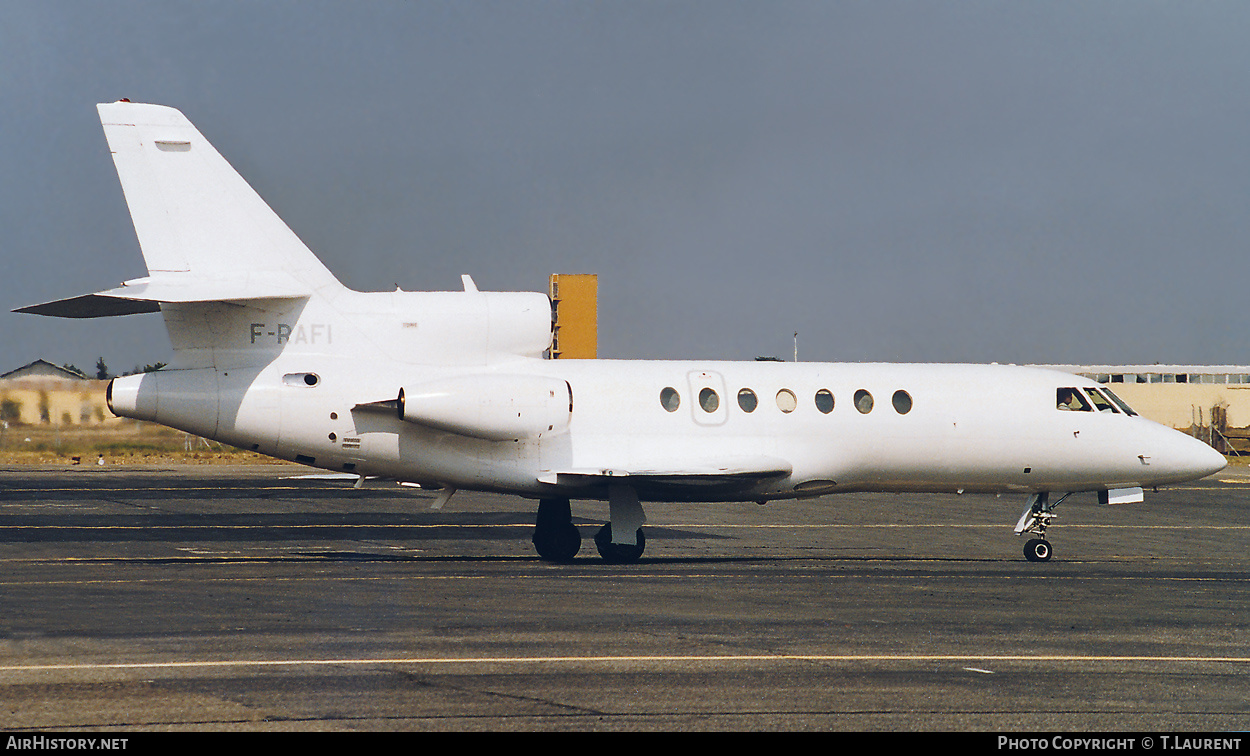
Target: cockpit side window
<point>1101,402</point>
<point>1071,399</point>
<point>1119,402</point>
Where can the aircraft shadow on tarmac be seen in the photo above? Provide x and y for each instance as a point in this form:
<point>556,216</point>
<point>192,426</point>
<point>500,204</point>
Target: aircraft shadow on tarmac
<point>235,527</point>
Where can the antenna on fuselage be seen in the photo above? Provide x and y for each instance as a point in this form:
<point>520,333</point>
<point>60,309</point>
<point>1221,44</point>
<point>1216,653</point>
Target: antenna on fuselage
<point>796,346</point>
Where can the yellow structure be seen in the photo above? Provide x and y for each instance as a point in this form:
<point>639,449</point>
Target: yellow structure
<point>575,300</point>
<point>53,401</point>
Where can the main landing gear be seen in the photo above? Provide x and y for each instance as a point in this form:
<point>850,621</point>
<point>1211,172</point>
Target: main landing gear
<point>555,536</point>
<point>621,541</point>
<point>619,553</point>
<point>1036,518</point>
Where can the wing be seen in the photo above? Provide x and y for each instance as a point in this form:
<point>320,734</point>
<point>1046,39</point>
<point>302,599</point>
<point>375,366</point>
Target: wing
<point>690,483</point>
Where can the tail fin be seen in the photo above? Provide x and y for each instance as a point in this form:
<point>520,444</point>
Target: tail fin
<point>196,218</point>
<point>207,238</point>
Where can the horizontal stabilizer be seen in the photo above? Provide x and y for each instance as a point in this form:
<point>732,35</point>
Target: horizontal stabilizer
<point>90,306</point>
<point>145,294</point>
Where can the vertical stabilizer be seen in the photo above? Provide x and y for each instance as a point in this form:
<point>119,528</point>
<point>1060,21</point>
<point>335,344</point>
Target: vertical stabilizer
<point>196,218</point>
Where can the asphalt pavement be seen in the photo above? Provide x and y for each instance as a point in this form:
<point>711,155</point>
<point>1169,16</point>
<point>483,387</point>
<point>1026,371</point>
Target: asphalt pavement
<point>252,598</point>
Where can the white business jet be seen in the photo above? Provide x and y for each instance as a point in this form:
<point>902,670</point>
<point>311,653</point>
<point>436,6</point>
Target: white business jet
<point>451,389</point>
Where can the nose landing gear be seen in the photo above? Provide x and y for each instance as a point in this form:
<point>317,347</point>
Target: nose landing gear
<point>1036,518</point>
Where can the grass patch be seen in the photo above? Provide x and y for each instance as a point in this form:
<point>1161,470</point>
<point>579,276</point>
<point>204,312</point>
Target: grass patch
<point>116,442</point>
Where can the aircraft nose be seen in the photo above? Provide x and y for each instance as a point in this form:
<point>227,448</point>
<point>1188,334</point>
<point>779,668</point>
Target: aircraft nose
<point>1211,462</point>
<point>1191,459</point>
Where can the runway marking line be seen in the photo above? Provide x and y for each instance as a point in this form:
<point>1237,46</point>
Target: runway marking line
<point>528,526</point>
<point>142,489</point>
<point>196,526</point>
<point>650,577</point>
<point>527,660</point>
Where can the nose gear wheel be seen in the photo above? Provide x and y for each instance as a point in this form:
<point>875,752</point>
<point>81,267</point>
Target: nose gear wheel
<point>1037,550</point>
<point>1036,518</point>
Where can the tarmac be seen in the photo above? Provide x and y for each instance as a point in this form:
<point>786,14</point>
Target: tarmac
<point>255,599</point>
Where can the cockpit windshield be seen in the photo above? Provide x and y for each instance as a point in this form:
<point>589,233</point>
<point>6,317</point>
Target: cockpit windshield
<point>1118,401</point>
<point>1090,399</point>
<point>1102,403</point>
<point>1070,399</point>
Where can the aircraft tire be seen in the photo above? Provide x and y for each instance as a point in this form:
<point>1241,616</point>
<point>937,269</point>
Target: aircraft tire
<point>558,544</point>
<point>1037,550</point>
<point>619,553</point>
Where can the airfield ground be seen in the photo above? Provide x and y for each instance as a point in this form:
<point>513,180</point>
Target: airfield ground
<point>198,597</point>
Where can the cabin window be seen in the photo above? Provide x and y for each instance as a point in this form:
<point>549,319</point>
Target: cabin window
<point>670,399</point>
<point>1101,403</point>
<point>708,400</point>
<point>901,401</point>
<point>1071,399</point>
<point>786,401</point>
<point>863,401</point>
<point>747,400</point>
<point>824,401</point>
<point>1120,403</point>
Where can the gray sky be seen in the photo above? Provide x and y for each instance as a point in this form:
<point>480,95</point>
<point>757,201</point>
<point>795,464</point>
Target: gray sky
<point>903,181</point>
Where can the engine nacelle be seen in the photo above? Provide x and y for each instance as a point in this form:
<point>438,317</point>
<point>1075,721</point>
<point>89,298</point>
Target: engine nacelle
<point>183,399</point>
<point>491,407</point>
<point>467,328</point>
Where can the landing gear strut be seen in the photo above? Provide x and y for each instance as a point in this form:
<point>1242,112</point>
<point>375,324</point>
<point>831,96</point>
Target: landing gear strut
<point>621,540</point>
<point>556,538</point>
<point>1036,518</point>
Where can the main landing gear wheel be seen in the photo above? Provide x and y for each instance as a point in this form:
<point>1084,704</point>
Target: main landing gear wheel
<point>559,544</point>
<point>619,553</point>
<point>556,538</point>
<point>1037,550</point>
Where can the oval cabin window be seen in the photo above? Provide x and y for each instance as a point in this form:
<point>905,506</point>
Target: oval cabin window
<point>670,399</point>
